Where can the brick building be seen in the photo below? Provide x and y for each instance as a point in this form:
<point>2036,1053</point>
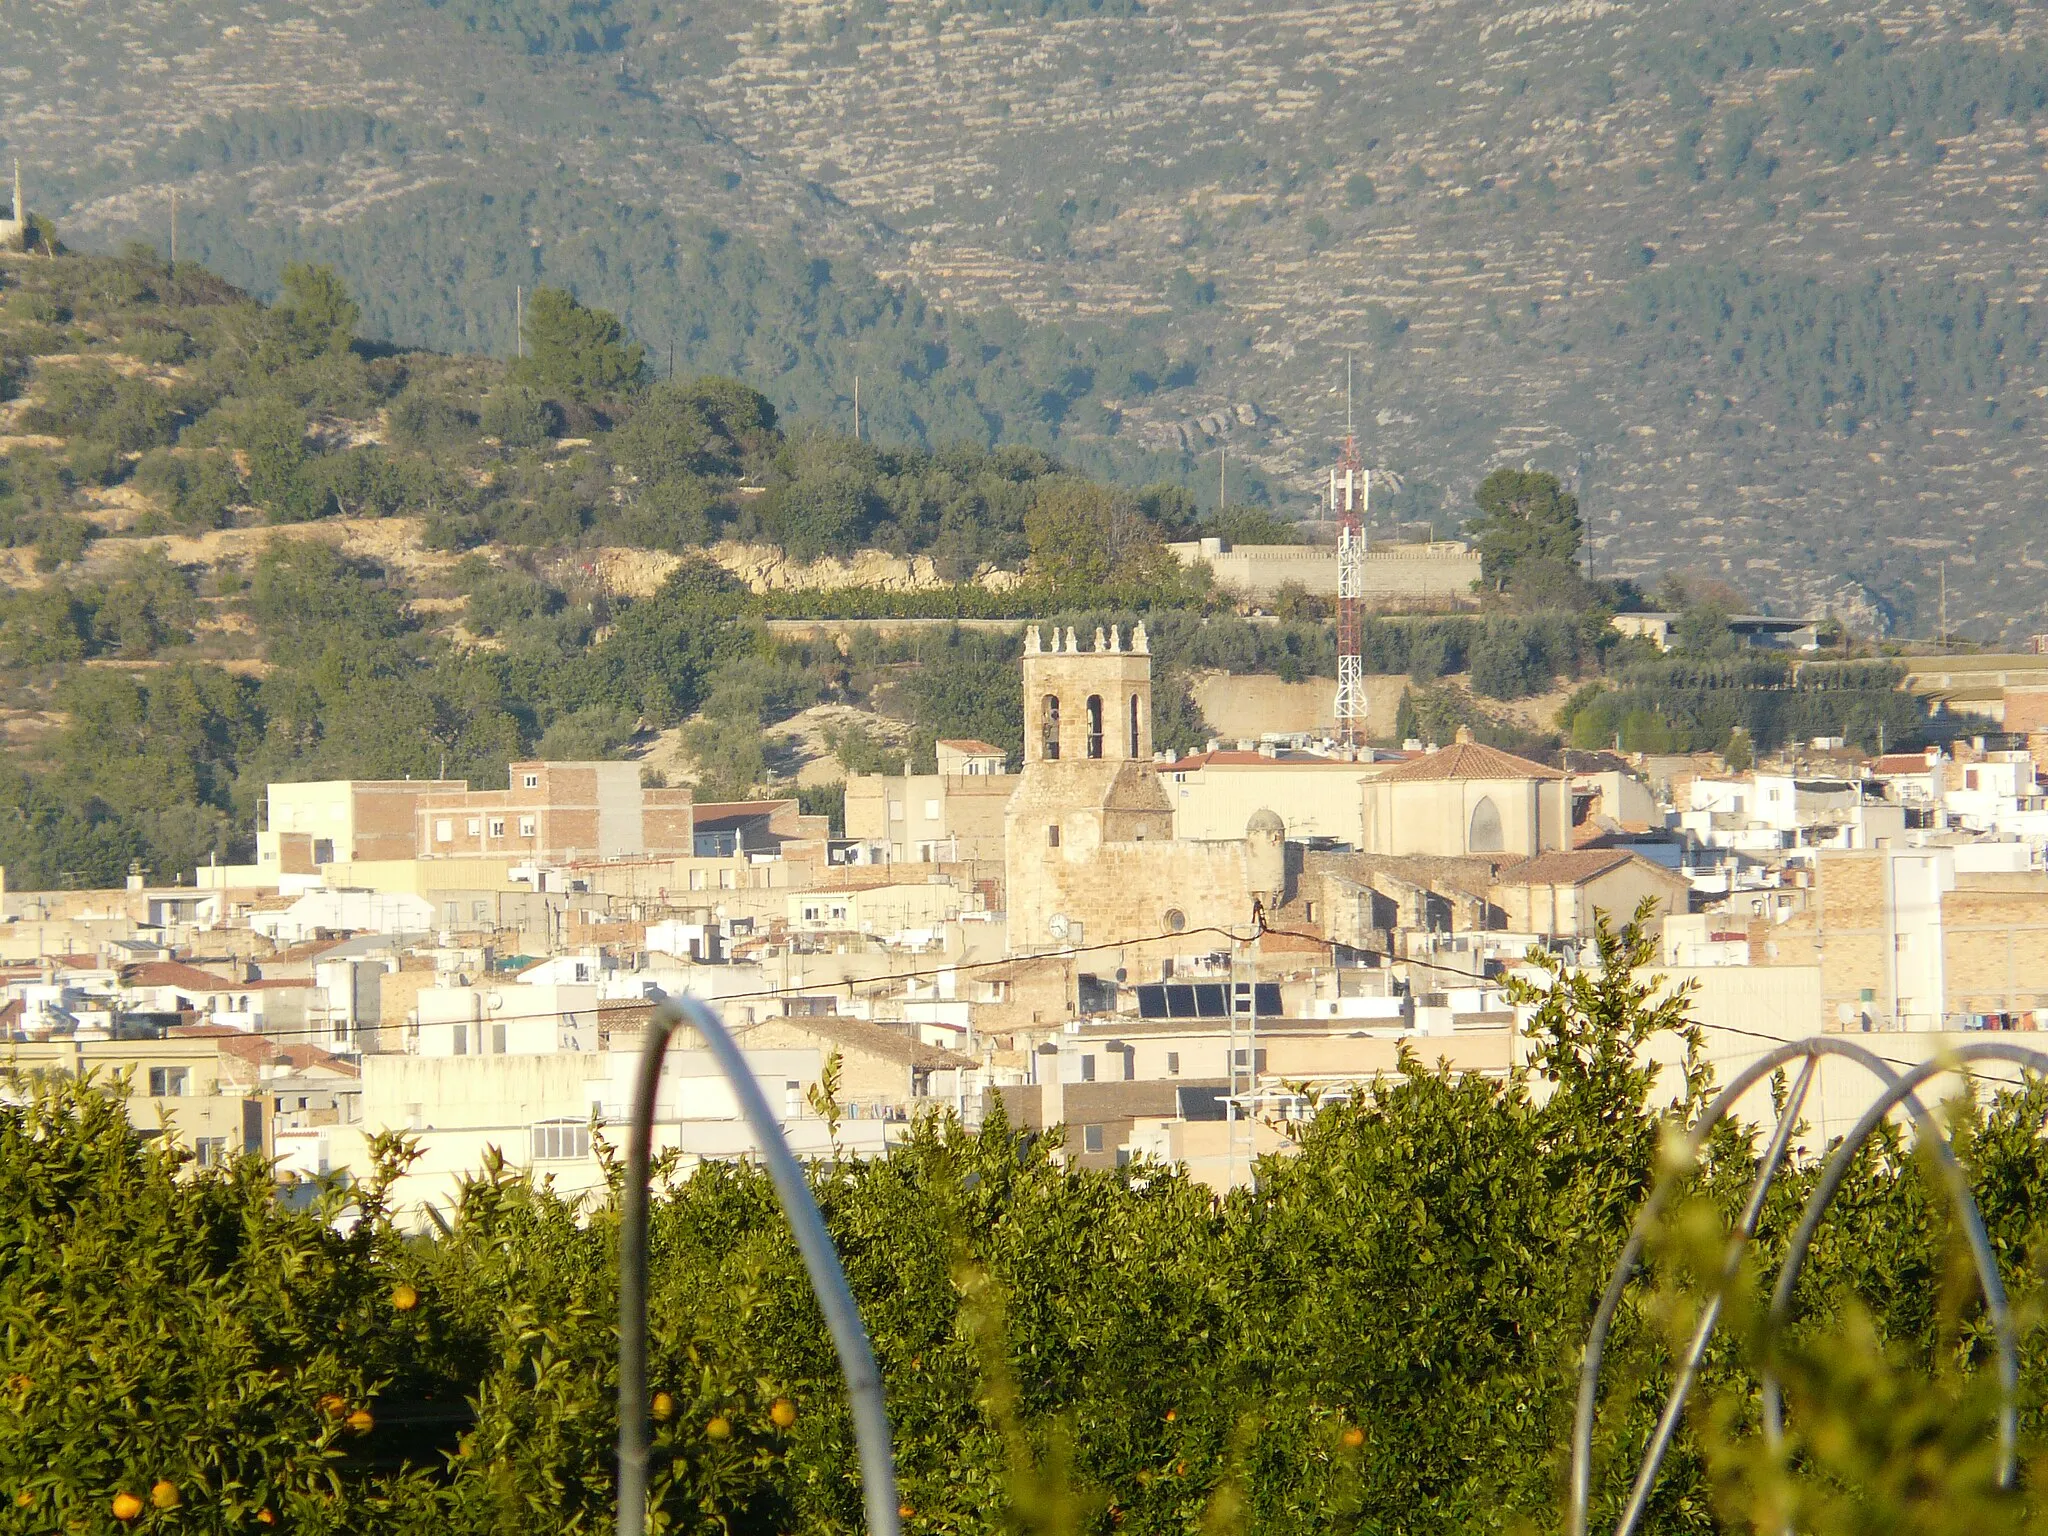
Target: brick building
<point>557,813</point>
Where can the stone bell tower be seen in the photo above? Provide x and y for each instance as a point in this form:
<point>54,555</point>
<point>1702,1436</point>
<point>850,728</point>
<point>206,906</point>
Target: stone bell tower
<point>1087,706</point>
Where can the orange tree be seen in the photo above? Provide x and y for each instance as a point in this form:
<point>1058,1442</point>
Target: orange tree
<point>1381,1336</point>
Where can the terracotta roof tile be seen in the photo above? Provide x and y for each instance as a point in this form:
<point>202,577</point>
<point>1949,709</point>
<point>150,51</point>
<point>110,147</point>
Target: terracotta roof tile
<point>175,973</point>
<point>1468,760</point>
<point>1571,868</point>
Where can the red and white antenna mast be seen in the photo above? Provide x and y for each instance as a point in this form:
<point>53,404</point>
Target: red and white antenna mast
<point>1350,503</point>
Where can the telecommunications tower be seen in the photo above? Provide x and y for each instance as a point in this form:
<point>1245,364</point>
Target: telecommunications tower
<point>1349,504</point>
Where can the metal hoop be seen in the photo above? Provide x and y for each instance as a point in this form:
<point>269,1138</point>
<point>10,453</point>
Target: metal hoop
<point>821,1263</point>
<point>1897,1091</point>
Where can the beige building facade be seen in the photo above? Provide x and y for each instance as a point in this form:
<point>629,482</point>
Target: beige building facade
<point>953,816</point>
<point>310,825</point>
<point>1468,799</point>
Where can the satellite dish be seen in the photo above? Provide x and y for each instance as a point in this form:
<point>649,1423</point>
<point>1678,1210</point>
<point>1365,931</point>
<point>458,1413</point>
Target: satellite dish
<point>1056,925</point>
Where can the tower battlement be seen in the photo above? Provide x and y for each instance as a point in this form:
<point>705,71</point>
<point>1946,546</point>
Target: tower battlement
<point>1087,705</point>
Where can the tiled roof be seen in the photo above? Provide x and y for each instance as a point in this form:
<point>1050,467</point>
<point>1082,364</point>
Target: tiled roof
<point>175,973</point>
<point>1570,868</point>
<point>976,748</point>
<point>1901,762</point>
<point>1467,760</point>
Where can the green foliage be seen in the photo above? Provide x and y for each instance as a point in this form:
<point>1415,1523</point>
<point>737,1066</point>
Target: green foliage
<point>1381,1334</point>
<point>1680,705</point>
<point>1835,355</point>
<point>318,315</point>
<point>90,400</point>
<point>1528,524</point>
<point>576,353</point>
<point>516,416</point>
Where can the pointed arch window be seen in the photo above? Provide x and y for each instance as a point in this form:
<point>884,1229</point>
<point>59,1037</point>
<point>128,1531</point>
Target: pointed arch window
<point>1485,835</point>
<point>1095,725</point>
<point>1049,728</point>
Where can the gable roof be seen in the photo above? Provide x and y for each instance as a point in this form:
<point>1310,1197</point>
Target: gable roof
<point>1467,760</point>
<point>1577,868</point>
<point>974,748</point>
<point>175,973</point>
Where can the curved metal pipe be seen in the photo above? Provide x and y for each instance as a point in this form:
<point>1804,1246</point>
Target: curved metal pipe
<point>1710,1315</point>
<point>821,1262</point>
<point>1903,1090</point>
<point>1581,1487</point>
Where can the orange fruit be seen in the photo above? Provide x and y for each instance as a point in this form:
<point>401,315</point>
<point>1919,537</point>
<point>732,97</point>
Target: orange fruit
<point>1354,1436</point>
<point>361,1422</point>
<point>333,1404</point>
<point>404,1297</point>
<point>1171,1415</point>
<point>24,1498</point>
<point>19,1384</point>
<point>164,1494</point>
<point>126,1506</point>
<point>903,1511</point>
<point>782,1413</point>
<point>719,1428</point>
<point>265,1517</point>
<point>664,1407</point>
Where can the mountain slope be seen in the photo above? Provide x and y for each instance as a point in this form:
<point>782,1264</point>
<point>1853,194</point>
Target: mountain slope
<point>1758,275</point>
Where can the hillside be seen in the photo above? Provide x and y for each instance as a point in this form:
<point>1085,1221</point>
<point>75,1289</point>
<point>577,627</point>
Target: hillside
<point>1758,276</point>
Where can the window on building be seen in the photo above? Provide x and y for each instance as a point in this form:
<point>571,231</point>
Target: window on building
<point>792,1100</point>
<point>169,1082</point>
<point>839,914</point>
<point>560,1141</point>
<point>444,830</point>
<point>1176,920</point>
<point>212,1151</point>
<point>1049,728</point>
<point>696,879</point>
<point>931,810</point>
<point>1134,725</point>
<point>1095,725</point>
<point>526,826</point>
<point>461,1034</point>
<point>727,881</point>
<point>1173,1063</point>
<point>1091,1138</point>
<point>474,826</point>
<point>1052,835</point>
<point>529,781</point>
<point>323,850</point>
<point>895,810</point>
<point>499,1038</point>
<point>479,911</point>
<point>1087,1069</point>
<point>497,826</point>
<point>810,914</point>
<point>1486,835</point>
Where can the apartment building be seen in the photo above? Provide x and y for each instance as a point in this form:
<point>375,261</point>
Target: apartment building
<point>556,813</point>
<point>952,816</point>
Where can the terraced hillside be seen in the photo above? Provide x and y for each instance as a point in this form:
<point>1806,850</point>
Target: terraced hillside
<point>1760,276</point>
